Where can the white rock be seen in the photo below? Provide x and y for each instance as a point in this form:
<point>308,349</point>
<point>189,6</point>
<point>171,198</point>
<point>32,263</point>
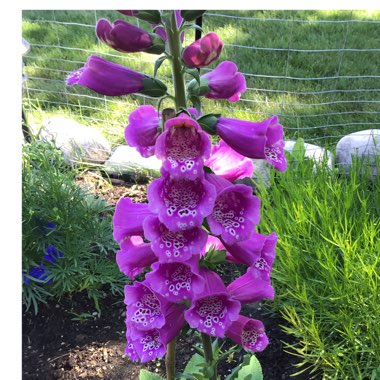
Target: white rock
<point>364,144</point>
<point>76,141</point>
<point>127,160</point>
<point>313,152</point>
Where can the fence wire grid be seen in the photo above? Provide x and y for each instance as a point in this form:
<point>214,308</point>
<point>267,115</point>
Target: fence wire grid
<point>317,70</point>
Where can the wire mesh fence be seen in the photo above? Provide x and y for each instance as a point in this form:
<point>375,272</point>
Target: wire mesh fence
<point>317,70</point>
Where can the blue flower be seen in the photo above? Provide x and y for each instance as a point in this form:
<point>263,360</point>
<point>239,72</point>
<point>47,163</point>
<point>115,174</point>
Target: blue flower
<point>38,272</point>
<point>52,255</point>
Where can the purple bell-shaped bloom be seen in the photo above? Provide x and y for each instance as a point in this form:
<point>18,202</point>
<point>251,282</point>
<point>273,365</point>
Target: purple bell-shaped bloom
<point>224,82</point>
<point>134,256</point>
<point>145,309</point>
<point>147,345</point>
<point>251,287</point>
<point>249,333</point>
<point>236,210</point>
<point>260,140</point>
<point>108,78</point>
<point>183,146</point>
<point>213,243</point>
<point>128,219</point>
<point>212,311</point>
<point>229,164</point>
<point>258,251</point>
<point>176,281</point>
<point>172,246</point>
<point>181,204</point>
<point>128,38</point>
<point>203,51</point>
<point>143,129</point>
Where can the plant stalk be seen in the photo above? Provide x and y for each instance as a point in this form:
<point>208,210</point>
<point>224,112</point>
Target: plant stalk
<point>175,47</point>
<point>208,355</point>
<point>170,360</point>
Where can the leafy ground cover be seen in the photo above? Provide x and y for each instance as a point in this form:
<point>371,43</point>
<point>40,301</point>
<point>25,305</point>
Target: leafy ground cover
<point>327,268</point>
<point>62,40</point>
<point>67,241</point>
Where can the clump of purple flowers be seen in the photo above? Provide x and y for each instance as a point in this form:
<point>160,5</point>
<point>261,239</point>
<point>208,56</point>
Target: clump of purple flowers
<point>195,208</point>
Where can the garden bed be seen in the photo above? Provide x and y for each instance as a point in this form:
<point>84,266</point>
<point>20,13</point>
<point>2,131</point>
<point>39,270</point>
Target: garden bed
<point>69,340</point>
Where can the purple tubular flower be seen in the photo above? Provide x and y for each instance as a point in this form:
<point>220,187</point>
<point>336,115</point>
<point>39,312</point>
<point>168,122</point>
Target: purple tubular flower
<point>152,16</point>
<point>203,51</point>
<point>176,281</point>
<point>134,256</point>
<point>212,311</point>
<point>128,38</point>
<point>258,251</point>
<point>172,246</point>
<point>129,12</point>
<point>262,140</point>
<point>212,243</point>
<point>128,218</point>
<point>151,344</point>
<point>143,129</point>
<point>251,287</point>
<point>130,350</point>
<point>183,146</point>
<point>249,333</point>
<point>229,164</point>
<point>224,82</point>
<point>108,78</point>
<point>236,210</point>
<point>145,308</point>
<point>181,204</point>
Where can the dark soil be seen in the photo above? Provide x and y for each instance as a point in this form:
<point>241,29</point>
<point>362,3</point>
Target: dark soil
<point>69,340</point>
<point>60,344</point>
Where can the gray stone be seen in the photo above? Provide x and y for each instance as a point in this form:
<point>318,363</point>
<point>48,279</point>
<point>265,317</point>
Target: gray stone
<point>313,152</point>
<point>261,174</point>
<point>77,142</point>
<point>363,144</point>
<point>126,160</point>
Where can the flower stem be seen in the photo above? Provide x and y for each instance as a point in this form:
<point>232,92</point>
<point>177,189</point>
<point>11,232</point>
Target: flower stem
<point>170,360</point>
<point>208,355</point>
<point>175,47</point>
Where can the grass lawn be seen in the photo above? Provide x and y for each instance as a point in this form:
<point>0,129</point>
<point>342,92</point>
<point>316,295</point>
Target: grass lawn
<point>319,110</point>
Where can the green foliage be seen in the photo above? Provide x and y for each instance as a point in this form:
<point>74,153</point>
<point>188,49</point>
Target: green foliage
<point>83,231</point>
<point>326,273</point>
<point>146,375</point>
<point>248,369</point>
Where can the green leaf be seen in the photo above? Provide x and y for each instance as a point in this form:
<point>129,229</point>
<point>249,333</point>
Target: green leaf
<point>194,365</point>
<point>191,26</point>
<point>214,257</point>
<point>298,152</point>
<point>146,375</point>
<point>251,371</point>
<point>194,73</point>
<point>158,63</point>
<point>196,103</point>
